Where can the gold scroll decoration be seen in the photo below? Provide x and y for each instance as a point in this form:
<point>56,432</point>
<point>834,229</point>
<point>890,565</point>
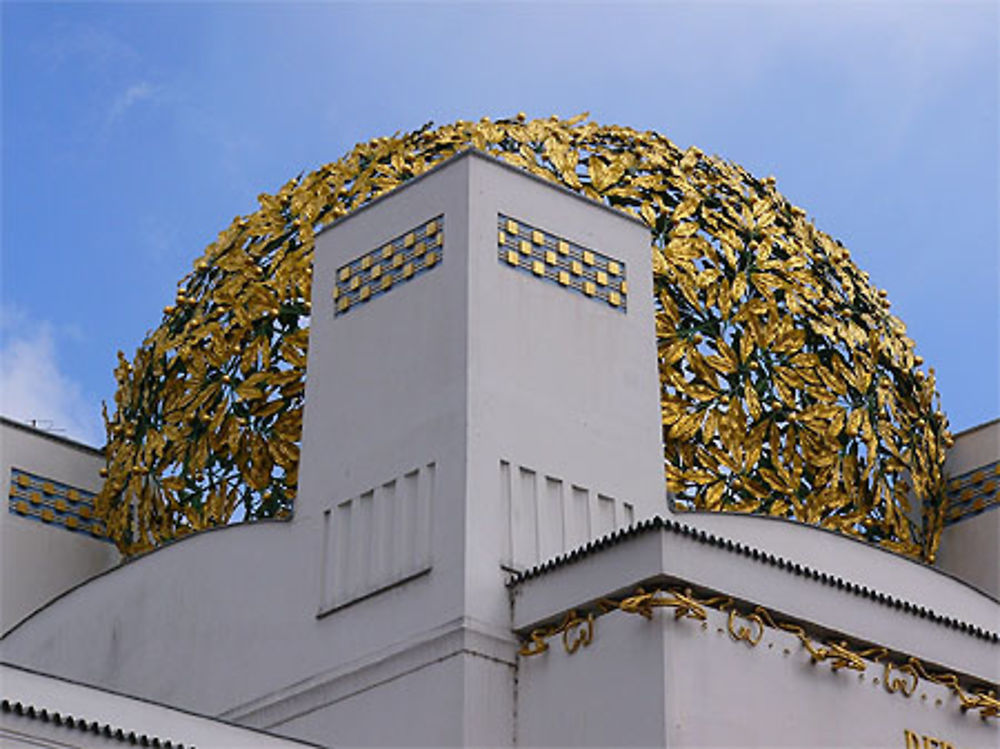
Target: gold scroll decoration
<point>901,674</point>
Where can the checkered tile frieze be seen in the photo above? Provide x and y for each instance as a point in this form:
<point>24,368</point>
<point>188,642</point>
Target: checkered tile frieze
<point>382,269</point>
<point>54,503</point>
<point>973,492</point>
<point>548,257</point>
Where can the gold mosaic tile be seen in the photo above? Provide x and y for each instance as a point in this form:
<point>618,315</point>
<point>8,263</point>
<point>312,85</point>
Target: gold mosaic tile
<point>545,256</point>
<point>54,503</point>
<point>377,272</point>
<point>973,492</point>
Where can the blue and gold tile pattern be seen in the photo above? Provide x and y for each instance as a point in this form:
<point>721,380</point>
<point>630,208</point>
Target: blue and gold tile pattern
<point>54,503</point>
<point>394,263</point>
<point>561,262</point>
<point>973,492</point>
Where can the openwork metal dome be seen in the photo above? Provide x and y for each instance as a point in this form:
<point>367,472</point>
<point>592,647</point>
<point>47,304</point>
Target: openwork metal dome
<point>788,389</point>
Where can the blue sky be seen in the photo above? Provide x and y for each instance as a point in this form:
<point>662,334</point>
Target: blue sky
<point>133,133</point>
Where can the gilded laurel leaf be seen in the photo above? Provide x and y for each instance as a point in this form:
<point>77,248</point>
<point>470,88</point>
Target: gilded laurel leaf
<point>775,352</point>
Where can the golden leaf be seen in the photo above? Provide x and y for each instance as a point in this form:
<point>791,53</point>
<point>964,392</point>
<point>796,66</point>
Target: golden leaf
<point>713,495</point>
<point>803,284</point>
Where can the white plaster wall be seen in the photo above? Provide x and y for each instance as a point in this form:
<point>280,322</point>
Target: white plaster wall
<point>417,709</point>
<point>970,548</point>
<point>710,689</point>
<point>610,693</point>
<point>974,447</point>
<point>41,561</point>
<point>725,693</point>
<point>563,398</point>
<point>224,623</point>
<point>463,699</point>
<point>658,557</point>
<point>473,366</point>
<point>385,394</point>
<point>693,682</point>
<point>201,624</point>
<point>489,709</point>
<point>617,568</point>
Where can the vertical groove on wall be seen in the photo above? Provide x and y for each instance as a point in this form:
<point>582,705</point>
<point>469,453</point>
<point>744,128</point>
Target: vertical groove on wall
<point>385,567</point>
<point>408,518</point>
<point>424,511</point>
<point>361,543</point>
<point>605,515</point>
<point>551,534</point>
<point>328,561</point>
<point>378,538</point>
<point>508,512</point>
<point>525,519</point>
<point>579,513</point>
<point>342,550</point>
<point>547,515</point>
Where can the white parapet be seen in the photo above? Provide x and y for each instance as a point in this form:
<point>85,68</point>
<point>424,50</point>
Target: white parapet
<point>671,635</point>
<point>970,542</point>
<point>49,537</point>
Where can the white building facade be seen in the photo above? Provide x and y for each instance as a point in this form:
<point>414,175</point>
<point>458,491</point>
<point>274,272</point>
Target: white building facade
<point>482,551</point>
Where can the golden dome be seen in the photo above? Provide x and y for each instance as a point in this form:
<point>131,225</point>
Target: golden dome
<point>788,388</point>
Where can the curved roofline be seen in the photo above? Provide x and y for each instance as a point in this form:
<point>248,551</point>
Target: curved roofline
<point>126,562</point>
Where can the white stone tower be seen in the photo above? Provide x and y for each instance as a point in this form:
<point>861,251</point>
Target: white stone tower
<point>482,395</point>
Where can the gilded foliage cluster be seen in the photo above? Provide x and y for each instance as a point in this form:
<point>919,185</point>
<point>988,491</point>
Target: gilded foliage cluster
<point>788,388</point>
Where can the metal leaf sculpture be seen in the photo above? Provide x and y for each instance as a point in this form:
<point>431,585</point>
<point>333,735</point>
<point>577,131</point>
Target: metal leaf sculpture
<point>788,388</point>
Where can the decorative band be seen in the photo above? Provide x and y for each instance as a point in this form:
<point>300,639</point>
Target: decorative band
<point>557,260</point>
<point>973,492</point>
<point>397,261</point>
<point>54,503</point>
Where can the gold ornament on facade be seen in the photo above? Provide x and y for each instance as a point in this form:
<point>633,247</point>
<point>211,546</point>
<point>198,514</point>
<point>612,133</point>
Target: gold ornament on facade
<point>751,633</point>
<point>788,389</point>
<point>683,604</point>
<point>839,654</point>
<point>907,685</point>
<point>576,632</point>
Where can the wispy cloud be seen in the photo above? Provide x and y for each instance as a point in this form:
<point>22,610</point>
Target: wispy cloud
<point>33,387</point>
<point>132,95</point>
